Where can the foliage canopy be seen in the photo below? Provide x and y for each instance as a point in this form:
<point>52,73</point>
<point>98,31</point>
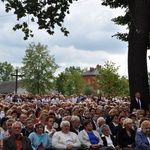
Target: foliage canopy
<point>70,81</point>
<point>38,70</point>
<point>47,13</point>
<point>6,71</point>
<point>109,82</point>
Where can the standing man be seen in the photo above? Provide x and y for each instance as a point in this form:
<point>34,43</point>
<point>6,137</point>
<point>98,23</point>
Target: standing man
<point>137,103</point>
<point>16,141</point>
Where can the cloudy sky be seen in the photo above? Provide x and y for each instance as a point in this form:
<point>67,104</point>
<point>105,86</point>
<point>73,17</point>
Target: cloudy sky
<point>88,44</point>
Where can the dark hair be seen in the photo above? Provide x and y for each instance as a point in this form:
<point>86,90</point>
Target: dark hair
<point>91,109</point>
<point>121,117</point>
<point>48,117</point>
<point>81,109</point>
<point>86,122</point>
<point>52,114</point>
<point>69,111</point>
<point>112,117</point>
<point>14,111</point>
<point>143,119</point>
<point>132,115</point>
<point>29,111</point>
<point>4,119</point>
<point>38,124</point>
<point>26,121</point>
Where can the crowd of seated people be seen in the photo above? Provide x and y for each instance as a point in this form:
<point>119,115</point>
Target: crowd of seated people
<point>72,123</point>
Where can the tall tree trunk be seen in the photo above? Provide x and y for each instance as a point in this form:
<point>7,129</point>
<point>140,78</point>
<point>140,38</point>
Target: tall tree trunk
<point>137,53</point>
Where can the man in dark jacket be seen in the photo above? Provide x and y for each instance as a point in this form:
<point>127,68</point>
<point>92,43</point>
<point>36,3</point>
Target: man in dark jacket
<point>137,103</point>
<point>17,141</point>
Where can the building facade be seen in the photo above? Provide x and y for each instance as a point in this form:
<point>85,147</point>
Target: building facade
<point>90,75</point>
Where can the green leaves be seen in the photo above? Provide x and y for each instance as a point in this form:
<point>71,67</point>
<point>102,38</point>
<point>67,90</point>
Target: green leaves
<point>39,68</point>
<point>49,13</point>
<point>115,3</point>
<point>109,82</point>
<point>6,70</point>
<point>70,81</point>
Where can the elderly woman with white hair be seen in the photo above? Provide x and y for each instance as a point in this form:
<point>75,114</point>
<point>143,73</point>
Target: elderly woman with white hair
<point>108,139</point>
<point>126,135</point>
<point>101,121</point>
<point>65,139</point>
<point>76,127</point>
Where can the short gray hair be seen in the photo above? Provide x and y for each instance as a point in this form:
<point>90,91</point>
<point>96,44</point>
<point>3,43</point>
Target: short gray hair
<point>16,122</point>
<point>60,109</point>
<point>103,127</point>
<point>74,118</point>
<point>64,122</point>
<point>10,120</point>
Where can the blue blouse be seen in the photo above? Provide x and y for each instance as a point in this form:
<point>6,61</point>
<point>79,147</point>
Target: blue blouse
<point>92,137</point>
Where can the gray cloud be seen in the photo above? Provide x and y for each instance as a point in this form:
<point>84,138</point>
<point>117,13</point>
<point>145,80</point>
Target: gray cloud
<point>89,43</point>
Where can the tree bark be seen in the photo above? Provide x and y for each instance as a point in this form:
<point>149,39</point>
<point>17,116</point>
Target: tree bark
<point>137,52</point>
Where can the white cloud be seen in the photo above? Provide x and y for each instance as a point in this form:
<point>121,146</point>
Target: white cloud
<point>89,43</point>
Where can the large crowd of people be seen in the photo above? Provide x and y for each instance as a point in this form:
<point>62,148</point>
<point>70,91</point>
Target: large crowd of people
<point>76,122</point>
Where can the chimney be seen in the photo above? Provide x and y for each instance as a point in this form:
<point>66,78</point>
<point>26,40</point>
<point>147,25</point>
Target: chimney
<point>91,69</point>
<point>98,66</point>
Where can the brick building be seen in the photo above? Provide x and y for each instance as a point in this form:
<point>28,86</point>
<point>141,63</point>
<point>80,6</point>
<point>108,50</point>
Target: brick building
<point>90,75</point>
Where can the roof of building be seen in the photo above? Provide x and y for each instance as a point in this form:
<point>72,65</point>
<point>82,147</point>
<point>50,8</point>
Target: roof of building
<point>8,86</point>
<point>91,72</point>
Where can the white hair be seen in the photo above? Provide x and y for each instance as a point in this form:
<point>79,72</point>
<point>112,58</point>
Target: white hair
<point>74,118</point>
<point>100,118</point>
<point>126,121</point>
<point>64,122</point>
<point>104,126</point>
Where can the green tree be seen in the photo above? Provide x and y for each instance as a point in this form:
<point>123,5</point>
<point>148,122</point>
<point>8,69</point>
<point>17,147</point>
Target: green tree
<point>46,13</point>
<point>6,71</point>
<point>60,83</point>
<point>38,70</point>
<point>123,86</point>
<point>75,83</point>
<point>70,81</point>
<point>50,13</point>
<point>89,90</point>
<point>108,79</point>
<point>137,20</point>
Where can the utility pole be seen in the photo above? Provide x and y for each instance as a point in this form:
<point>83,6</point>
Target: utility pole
<point>16,75</point>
